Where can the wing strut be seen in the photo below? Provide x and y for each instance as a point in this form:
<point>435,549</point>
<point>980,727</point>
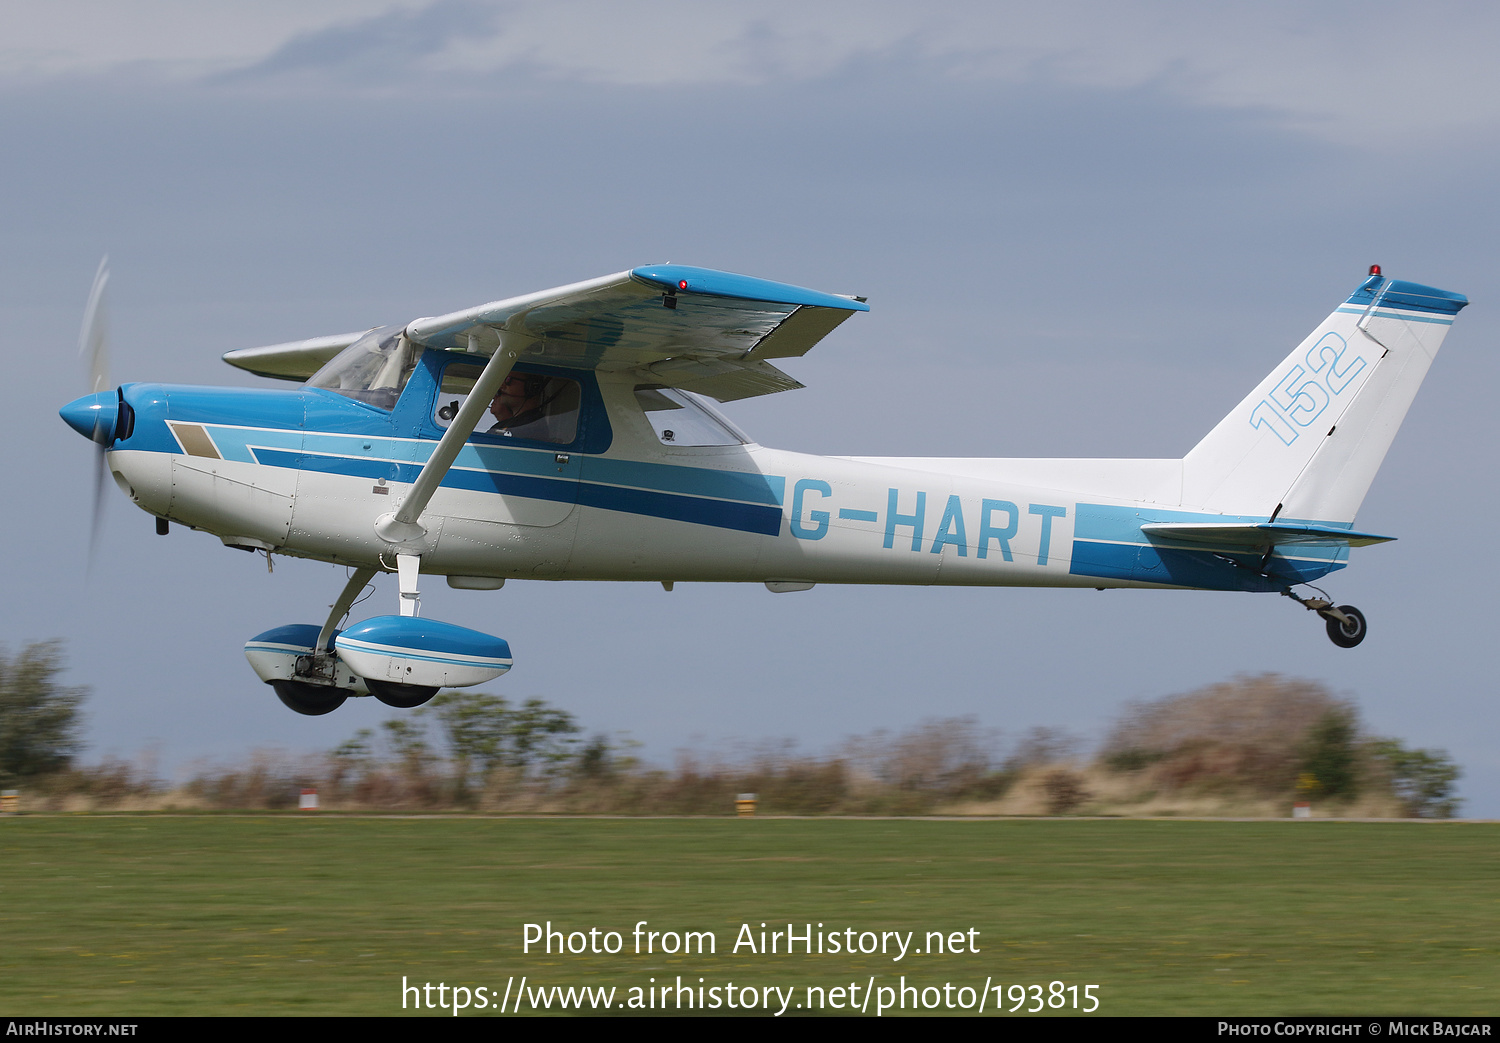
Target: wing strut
<point>402,529</point>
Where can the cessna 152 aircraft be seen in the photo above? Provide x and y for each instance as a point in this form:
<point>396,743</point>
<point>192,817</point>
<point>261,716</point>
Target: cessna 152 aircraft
<point>561,435</point>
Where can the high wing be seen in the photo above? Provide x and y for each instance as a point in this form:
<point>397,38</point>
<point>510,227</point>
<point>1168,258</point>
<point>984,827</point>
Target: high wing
<point>701,330</point>
<point>692,328</point>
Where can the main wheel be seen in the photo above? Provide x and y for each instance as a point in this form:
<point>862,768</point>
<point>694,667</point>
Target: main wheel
<point>401,696</point>
<point>311,700</point>
<point>1347,635</point>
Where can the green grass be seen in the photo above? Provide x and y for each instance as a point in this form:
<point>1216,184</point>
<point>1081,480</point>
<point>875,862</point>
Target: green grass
<point>307,915</point>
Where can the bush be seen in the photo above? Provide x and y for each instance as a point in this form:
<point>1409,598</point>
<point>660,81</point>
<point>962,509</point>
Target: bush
<point>1422,779</point>
<point>485,732</point>
<point>1255,733</point>
<point>39,718</point>
<point>1330,755</point>
<point>1064,789</point>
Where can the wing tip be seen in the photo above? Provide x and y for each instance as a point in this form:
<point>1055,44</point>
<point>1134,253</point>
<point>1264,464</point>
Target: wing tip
<point>683,278</point>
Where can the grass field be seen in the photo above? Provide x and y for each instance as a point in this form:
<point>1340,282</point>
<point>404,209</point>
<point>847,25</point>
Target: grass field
<point>307,915</point>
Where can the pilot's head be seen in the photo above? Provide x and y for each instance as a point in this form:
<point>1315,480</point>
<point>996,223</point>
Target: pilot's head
<point>520,394</point>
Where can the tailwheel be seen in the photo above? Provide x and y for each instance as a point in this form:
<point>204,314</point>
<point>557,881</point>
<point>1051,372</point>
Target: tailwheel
<point>1346,632</point>
<point>401,696</point>
<point>310,700</point>
<point>1346,624</point>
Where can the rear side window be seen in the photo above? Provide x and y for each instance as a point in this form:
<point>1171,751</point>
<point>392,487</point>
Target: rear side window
<point>679,418</point>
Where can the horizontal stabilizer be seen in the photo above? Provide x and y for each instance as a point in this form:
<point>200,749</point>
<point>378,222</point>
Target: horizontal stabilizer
<point>1264,534</point>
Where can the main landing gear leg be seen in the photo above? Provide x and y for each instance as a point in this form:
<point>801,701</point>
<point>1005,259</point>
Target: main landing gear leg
<point>407,566</point>
<point>1346,624</point>
<point>321,665</point>
<point>392,693</point>
<point>340,608</point>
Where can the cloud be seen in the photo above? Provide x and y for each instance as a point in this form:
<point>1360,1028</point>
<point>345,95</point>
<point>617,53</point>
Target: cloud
<point>393,40</point>
<point>182,39</point>
<point>1366,73</point>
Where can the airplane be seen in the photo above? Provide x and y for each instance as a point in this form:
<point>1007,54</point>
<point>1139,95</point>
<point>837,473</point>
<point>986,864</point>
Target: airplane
<point>565,434</point>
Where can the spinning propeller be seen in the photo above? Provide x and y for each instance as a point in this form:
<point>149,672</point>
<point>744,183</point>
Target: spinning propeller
<point>96,415</point>
<point>94,336</point>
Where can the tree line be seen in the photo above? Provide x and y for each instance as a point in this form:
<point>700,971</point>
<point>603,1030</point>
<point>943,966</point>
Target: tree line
<point>1252,742</point>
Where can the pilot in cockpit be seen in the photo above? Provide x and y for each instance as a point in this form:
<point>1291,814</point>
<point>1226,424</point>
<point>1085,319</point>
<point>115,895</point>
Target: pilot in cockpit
<point>518,403</point>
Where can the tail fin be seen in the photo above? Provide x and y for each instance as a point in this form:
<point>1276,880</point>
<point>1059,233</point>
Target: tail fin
<point>1309,439</point>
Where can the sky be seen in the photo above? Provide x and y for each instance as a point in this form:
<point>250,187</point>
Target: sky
<point>1086,229</point>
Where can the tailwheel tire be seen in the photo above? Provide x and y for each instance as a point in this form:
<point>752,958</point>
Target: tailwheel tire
<point>1347,635</point>
<point>310,700</point>
<point>401,696</point>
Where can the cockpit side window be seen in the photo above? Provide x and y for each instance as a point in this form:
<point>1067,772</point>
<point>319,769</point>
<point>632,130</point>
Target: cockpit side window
<point>530,406</point>
<point>373,369</point>
<point>679,418</point>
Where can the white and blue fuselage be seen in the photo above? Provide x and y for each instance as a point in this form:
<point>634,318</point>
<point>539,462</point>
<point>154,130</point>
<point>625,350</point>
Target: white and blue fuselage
<point>313,471</point>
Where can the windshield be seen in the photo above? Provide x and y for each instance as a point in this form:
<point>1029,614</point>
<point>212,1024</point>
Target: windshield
<point>373,369</point>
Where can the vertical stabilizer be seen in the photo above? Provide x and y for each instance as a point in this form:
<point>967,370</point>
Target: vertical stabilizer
<point>1311,436</point>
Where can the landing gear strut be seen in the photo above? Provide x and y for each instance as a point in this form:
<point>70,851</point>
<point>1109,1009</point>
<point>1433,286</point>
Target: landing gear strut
<point>1346,624</point>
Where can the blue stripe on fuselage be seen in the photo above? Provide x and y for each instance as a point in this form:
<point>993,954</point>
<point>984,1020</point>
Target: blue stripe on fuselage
<point>246,444</point>
<point>744,517</point>
<point>723,514</point>
<point>700,481</point>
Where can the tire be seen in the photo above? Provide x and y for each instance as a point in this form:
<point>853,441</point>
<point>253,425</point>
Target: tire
<point>401,696</point>
<point>310,700</point>
<point>1347,635</point>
